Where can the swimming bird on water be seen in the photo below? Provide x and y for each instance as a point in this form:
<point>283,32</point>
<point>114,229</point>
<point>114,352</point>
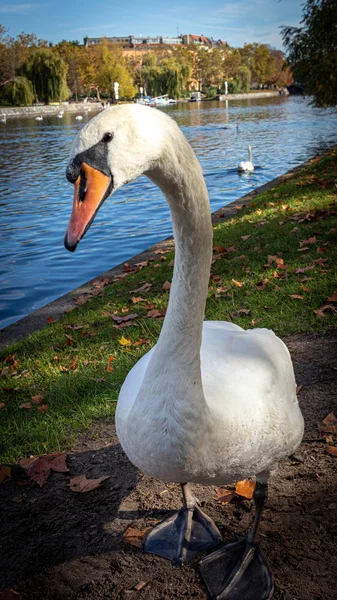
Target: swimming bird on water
<point>247,165</point>
<point>210,403</point>
<point>39,118</point>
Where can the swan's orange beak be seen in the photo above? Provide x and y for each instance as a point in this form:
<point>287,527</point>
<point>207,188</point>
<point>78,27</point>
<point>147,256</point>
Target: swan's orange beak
<point>91,189</point>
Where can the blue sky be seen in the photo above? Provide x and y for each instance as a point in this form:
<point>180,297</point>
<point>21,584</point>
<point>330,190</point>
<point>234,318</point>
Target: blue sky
<point>236,21</point>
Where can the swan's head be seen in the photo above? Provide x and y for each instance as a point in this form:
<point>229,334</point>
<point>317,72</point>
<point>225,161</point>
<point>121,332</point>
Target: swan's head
<point>114,148</point>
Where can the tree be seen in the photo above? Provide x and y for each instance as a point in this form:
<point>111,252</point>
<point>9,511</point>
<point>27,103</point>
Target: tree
<point>47,71</point>
<point>113,67</point>
<point>19,91</point>
<point>312,51</point>
<point>260,61</point>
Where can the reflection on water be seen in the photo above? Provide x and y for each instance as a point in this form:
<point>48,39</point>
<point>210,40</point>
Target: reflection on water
<point>35,198</point>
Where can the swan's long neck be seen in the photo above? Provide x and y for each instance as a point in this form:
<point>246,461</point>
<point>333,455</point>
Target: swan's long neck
<point>249,154</point>
<point>180,178</point>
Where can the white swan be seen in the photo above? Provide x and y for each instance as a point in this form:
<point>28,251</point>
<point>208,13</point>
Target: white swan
<point>210,403</point>
<point>247,165</point>
<point>79,118</point>
<point>39,118</point>
<point>3,119</point>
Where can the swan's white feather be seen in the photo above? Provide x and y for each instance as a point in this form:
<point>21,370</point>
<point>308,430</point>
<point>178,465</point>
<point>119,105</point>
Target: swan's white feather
<point>251,419</point>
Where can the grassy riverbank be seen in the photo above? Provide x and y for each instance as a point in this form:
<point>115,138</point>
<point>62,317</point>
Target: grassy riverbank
<point>274,266</point>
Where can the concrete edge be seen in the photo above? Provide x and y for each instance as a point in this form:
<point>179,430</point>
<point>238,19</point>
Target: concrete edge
<point>39,318</point>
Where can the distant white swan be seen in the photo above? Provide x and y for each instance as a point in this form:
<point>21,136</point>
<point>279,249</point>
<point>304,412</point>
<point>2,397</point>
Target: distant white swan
<point>39,118</point>
<point>3,119</point>
<point>247,165</point>
<point>79,117</point>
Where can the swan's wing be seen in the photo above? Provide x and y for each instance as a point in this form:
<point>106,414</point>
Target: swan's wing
<point>130,387</point>
<point>249,386</point>
<point>247,369</point>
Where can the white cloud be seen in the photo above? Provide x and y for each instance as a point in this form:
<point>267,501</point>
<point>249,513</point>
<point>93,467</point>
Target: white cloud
<point>18,8</point>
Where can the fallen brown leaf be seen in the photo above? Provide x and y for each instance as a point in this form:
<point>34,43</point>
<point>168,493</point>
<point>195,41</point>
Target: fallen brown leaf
<point>109,368</point>
<point>329,424</point>
<point>139,586</point>
<point>70,340</point>
<point>261,285</point>
<point>39,468</point>
<point>125,324</point>
<point>320,312</point>
<point>43,408</point>
<point>237,283</point>
<point>136,299</point>
<point>298,389</point>
<point>144,288</point>
<point>140,342</point>
<point>143,263</point>
<point>255,322</point>
<point>10,595</point>
<point>119,320</point>
<point>37,399</point>
<point>304,269</point>
<point>245,488</point>
<point>332,450</point>
<point>295,296</point>
<point>311,240</point>
<point>333,298</point>
<point>2,404</point>
<point>134,536</point>
<point>25,405</point>
<point>155,313</point>
<point>166,285</point>
<point>219,249</point>
<point>81,484</point>
<point>224,496</point>
<point>73,364</point>
<point>50,320</point>
<point>5,471</point>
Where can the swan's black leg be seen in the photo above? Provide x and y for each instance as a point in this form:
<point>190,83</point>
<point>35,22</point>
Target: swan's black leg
<point>239,571</point>
<point>184,535</point>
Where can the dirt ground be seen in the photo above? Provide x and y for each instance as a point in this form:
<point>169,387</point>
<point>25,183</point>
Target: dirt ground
<point>57,544</point>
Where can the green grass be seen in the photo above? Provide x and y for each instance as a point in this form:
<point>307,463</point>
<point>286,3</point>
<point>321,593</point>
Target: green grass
<point>71,373</point>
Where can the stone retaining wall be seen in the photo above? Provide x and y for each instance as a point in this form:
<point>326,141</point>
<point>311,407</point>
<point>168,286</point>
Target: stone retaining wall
<point>249,95</point>
<point>51,109</point>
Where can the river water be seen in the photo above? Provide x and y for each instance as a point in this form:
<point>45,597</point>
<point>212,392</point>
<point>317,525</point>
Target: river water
<point>36,199</point>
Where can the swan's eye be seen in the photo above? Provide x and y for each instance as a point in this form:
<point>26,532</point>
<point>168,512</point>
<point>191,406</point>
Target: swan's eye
<point>107,137</point>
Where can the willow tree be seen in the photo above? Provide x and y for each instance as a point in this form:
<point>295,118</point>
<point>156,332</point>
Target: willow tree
<point>20,91</point>
<point>47,71</point>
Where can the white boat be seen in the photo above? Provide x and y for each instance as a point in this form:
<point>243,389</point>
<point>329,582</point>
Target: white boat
<point>195,97</point>
<point>145,100</point>
<point>163,100</point>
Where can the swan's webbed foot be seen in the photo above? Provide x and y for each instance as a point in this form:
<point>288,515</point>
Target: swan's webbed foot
<point>184,535</point>
<point>239,571</point>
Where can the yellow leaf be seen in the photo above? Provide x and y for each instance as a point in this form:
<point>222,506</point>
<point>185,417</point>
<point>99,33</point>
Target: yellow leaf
<point>124,341</point>
<point>245,488</point>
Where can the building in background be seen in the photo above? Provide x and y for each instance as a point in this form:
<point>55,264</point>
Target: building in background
<point>132,41</point>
